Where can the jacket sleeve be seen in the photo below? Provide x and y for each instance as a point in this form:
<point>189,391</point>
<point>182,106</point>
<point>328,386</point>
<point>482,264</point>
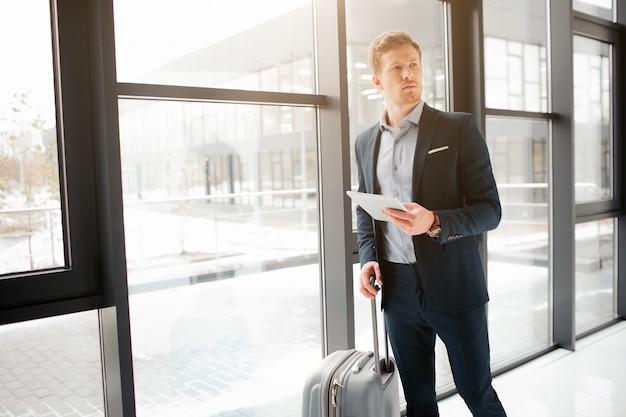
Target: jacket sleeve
<point>366,238</point>
<point>467,202</point>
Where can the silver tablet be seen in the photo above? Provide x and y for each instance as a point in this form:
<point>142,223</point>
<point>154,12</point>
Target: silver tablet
<point>374,204</point>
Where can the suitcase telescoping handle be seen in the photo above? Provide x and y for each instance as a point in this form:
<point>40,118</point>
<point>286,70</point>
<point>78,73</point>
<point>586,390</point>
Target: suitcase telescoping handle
<point>377,361</point>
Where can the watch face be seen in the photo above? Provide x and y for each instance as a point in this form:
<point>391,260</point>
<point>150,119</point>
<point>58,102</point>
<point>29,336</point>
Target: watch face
<point>434,231</point>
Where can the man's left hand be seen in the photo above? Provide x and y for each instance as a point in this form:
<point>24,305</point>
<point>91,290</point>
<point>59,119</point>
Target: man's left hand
<point>416,221</point>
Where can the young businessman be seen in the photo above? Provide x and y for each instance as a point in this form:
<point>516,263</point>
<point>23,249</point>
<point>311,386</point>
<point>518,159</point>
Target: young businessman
<point>427,259</point>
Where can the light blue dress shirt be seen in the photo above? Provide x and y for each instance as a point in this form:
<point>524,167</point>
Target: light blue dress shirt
<point>394,172</point>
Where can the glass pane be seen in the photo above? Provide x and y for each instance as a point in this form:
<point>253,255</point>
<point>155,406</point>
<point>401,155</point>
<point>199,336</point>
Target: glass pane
<point>220,207</point>
<point>595,273</point>
<point>51,367</point>
<point>518,250</point>
<point>245,44</point>
<point>515,55</point>
<point>599,8</point>
<point>365,20</point>
<point>592,120</point>
<point>31,231</point>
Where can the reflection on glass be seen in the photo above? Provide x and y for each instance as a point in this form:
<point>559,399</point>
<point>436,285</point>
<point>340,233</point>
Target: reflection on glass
<point>600,8</point>
<point>595,273</point>
<point>52,367</point>
<point>246,45</point>
<point>592,120</point>
<point>366,19</point>
<point>31,231</point>
<point>220,208</point>
<point>518,268</point>
<point>515,55</point>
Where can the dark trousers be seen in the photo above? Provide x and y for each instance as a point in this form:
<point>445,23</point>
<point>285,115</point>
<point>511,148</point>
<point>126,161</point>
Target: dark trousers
<point>412,328</point>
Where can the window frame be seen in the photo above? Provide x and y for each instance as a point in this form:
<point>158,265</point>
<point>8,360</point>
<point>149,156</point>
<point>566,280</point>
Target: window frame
<point>79,284</point>
<point>597,29</point>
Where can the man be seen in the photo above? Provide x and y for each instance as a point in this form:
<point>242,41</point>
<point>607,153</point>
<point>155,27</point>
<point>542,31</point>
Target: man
<point>427,259</point>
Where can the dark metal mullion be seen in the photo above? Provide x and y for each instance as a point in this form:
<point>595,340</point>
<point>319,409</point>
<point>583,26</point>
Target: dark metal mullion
<point>602,208</point>
<point>467,60</point>
<point>335,210</point>
<point>113,317</point>
<point>60,132</point>
<point>562,215</point>
<point>592,217</point>
<point>620,134</point>
<point>591,24</point>
<point>521,114</point>
<point>202,94</point>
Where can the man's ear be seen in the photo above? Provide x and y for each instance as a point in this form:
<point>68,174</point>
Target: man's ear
<point>377,83</point>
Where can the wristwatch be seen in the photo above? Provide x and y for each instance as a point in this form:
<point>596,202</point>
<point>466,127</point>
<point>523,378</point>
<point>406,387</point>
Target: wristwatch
<point>435,230</point>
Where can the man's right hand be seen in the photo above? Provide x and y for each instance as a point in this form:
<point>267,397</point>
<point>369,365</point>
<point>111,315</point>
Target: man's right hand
<point>369,269</point>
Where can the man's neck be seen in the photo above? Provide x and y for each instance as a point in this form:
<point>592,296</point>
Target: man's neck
<point>396,114</point>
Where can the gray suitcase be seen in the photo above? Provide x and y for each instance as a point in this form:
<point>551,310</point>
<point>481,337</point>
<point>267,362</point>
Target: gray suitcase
<point>353,383</point>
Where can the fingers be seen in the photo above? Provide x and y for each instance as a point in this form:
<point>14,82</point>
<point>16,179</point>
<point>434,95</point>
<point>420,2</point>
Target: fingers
<point>414,222</point>
<point>369,277</point>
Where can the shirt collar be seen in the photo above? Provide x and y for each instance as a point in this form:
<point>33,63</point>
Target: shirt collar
<point>414,116</point>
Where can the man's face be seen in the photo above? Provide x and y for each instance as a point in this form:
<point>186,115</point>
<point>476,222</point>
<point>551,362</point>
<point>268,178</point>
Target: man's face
<point>400,78</point>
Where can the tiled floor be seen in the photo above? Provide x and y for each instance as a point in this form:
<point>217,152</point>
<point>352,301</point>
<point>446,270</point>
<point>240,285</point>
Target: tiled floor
<point>586,383</point>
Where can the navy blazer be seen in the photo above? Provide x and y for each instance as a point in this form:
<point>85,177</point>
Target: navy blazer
<point>452,175</point>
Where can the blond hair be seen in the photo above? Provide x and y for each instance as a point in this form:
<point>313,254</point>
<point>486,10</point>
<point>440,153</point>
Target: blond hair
<point>384,42</point>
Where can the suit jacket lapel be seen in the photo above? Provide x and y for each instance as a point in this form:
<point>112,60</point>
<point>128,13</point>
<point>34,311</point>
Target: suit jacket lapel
<point>427,127</point>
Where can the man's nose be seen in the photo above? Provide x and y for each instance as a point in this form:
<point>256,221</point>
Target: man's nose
<point>407,74</point>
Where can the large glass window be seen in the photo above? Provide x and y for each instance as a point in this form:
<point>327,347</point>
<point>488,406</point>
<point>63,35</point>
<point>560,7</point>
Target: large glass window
<point>516,78</point>
<point>594,153</point>
<point>220,207</point>
<point>593,120</point>
<point>515,55</point>
<point>31,226</point>
<point>519,249</point>
<point>247,45</point>
<point>206,174</point>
